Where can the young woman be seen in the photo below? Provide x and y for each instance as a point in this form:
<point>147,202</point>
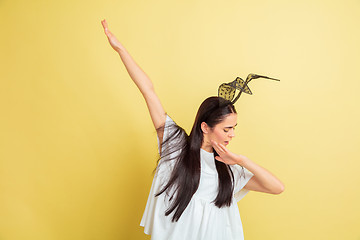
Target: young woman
<point>198,181</point>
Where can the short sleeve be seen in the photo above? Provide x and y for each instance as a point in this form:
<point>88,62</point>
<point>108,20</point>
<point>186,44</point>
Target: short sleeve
<point>154,218</point>
<point>173,139</point>
<point>241,177</point>
<point>168,130</point>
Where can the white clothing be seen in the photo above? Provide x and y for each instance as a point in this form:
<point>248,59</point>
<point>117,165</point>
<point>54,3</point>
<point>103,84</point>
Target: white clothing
<point>201,219</point>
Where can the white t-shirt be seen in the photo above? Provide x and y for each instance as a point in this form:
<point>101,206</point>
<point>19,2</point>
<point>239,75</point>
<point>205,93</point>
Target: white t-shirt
<point>201,219</point>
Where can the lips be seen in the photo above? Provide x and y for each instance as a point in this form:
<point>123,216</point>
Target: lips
<point>226,142</point>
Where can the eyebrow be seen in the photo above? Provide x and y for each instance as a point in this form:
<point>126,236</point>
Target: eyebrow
<point>232,127</point>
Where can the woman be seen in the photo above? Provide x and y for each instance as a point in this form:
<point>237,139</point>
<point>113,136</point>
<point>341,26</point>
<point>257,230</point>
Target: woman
<point>198,181</point>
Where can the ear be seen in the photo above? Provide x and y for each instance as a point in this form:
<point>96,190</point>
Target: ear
<point>204,127</point>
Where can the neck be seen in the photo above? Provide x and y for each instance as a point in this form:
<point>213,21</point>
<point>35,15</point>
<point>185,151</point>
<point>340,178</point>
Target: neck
<point>207,146</point>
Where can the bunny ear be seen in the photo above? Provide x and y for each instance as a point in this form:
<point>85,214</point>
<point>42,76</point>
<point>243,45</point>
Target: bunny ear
<point>242,86</point>
<point>227,90</point>
<point>254,76</point>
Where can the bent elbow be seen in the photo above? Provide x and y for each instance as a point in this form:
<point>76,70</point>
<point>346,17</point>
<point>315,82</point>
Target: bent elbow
<point>279,190</point>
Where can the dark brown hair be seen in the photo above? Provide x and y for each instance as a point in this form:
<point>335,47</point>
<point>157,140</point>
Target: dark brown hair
<point>185,176</point>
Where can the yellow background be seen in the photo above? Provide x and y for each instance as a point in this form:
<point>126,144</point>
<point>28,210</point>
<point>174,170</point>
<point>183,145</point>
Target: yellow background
<point>77,145</point>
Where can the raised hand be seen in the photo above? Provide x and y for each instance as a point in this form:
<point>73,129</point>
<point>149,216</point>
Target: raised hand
<point>225,155</point>
<point>115,44</point>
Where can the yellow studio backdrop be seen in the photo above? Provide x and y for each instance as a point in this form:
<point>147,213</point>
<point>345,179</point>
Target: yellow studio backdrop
<point>77,145</point>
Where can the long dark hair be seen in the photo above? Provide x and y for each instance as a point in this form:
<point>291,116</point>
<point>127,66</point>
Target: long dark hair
<point>185,176</point>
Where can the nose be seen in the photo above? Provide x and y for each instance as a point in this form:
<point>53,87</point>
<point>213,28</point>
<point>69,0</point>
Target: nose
<point>232,133</point>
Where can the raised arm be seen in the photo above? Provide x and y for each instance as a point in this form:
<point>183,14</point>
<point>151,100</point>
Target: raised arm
<point>142,81</point>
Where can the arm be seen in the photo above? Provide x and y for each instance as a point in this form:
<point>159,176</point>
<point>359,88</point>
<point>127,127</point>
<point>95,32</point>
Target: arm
<point>142,81</point>
<point>262,181</point>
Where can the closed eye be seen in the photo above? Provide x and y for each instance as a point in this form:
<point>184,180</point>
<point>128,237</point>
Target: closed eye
<point>227,130</point>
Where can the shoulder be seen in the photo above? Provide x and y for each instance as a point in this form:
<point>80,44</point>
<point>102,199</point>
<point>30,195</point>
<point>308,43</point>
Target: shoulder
<point>171,127</point>
<point>174,137</point>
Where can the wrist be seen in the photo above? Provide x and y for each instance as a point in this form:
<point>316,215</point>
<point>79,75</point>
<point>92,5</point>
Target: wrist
<point>120,50</point>
<point>241,160</point>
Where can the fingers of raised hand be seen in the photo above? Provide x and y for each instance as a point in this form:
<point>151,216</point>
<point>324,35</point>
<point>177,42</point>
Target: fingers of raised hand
<point>104,23</point>
<point>219,159</point>
<point>105,26</point>
<point>219,148</point>
<point>215,146</point>
<point>222,147</point>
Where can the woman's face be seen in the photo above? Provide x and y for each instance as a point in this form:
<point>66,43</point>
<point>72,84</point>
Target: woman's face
<point>224,131</point>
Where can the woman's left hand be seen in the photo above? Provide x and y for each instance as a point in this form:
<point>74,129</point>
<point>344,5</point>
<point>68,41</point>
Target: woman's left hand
<point>225,155</point>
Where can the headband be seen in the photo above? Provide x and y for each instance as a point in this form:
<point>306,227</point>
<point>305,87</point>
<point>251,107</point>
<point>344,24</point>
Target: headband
<point>227,90</point>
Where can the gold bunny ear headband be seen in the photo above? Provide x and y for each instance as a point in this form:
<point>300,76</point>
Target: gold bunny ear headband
<point>227,90</point>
